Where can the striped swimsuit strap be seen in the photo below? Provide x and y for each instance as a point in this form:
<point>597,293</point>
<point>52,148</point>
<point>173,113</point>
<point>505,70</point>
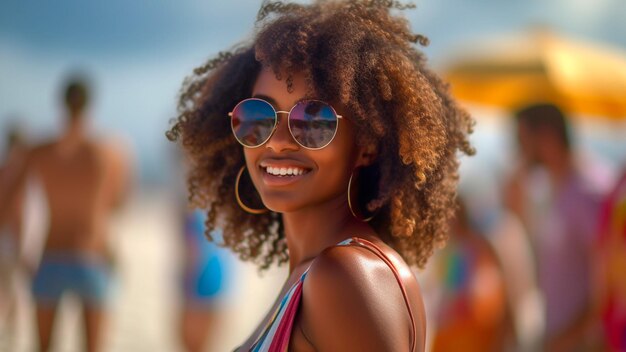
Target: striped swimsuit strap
<point>276,334</point>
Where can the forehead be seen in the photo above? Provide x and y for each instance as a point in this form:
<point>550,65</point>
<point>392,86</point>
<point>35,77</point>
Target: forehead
<point>268,85</point>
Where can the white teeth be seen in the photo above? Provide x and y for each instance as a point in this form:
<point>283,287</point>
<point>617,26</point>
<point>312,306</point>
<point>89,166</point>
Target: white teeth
<point>284,171</point>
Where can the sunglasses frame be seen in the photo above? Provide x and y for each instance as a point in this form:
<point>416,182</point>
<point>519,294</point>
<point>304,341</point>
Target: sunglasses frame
<point>276,122</point>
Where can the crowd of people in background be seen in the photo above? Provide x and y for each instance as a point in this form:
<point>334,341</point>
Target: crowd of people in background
<point>574,226</point>
<point>560,263</point>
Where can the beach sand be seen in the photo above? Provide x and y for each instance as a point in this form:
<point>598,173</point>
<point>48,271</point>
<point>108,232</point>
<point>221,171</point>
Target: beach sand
<point>146,295</point>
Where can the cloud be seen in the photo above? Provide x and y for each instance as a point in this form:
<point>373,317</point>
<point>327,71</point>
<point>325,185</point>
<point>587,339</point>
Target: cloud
<point>583,12</point>
<point>116,25</point>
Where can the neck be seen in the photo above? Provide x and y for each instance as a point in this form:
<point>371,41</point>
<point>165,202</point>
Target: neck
<point>311,230</point>
<point>76,127</point>
<point>560,167</point>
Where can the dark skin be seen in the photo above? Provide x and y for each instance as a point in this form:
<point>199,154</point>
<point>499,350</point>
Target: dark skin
<point>351,300</point>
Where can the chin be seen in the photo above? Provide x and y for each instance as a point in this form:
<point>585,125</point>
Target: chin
<point>283,203</point>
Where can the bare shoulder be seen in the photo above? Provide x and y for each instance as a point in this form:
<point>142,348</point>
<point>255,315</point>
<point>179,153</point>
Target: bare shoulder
<point>116,150</point>
<point>40,152</point>
<point>43,148</point>
<point>353,301</point>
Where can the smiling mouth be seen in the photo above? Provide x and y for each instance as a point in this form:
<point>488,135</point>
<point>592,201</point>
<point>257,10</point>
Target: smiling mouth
<point>284,171</point>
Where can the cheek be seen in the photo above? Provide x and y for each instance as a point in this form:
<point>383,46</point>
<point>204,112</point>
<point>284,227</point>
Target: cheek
<point>336,162</point>
<point>333,173</point>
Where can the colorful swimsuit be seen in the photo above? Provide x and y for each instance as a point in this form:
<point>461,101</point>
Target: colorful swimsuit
<point>275,336</point>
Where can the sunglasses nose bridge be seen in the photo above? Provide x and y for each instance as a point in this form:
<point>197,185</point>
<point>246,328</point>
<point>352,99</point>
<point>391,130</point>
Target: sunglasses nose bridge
<point>281,138</point>
<point>278,118</point>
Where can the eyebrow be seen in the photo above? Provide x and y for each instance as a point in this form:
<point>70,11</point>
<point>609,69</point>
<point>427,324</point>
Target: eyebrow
<point>273,102</point>
<point>266,98</point>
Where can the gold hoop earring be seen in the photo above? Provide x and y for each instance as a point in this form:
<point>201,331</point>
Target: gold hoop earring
<point>243,206</point>
<point>355,212</point>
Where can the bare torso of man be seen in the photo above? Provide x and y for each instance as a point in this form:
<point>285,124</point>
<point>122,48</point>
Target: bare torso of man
<point>82,181</point>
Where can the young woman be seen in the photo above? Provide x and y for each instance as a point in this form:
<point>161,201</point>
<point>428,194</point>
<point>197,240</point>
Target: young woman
<point>327,144</point>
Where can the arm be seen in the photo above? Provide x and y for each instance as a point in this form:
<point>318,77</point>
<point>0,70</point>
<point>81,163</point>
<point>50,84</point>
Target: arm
<point>119,172</point>
<point>12,193</point>
<point>514,195</point>
<point>13,184</point>
<point>352,302</point>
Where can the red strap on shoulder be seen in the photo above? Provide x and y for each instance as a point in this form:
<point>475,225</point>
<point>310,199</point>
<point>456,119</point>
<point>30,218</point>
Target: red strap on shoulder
<point>379,253</point>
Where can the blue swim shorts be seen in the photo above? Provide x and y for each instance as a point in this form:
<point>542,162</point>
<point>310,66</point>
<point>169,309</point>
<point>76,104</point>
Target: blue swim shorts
<point>86,276</point>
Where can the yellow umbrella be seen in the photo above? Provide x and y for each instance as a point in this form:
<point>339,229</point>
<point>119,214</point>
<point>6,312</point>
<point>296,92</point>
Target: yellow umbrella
<point>540,66</point>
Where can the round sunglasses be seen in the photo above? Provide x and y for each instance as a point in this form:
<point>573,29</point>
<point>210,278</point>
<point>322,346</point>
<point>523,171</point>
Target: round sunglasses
<point>312,123</point>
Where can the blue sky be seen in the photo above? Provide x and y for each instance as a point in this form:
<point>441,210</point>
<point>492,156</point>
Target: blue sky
<point>137,52</point>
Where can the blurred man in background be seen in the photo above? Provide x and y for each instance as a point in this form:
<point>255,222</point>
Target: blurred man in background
<point>558,200</point>
<point>10,235</point>
<point>83,180</point>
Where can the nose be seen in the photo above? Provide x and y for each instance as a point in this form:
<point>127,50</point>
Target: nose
<point>281,140</point>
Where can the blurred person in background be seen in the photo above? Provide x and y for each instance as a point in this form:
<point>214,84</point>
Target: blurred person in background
<point>10,234</point>
<point>611,269</point>
<point>207,276</point>
<point>207,283</point>
<point>472,311</point>
<point>558,198</point>
<point>83,179</point>
<point>327,143</point>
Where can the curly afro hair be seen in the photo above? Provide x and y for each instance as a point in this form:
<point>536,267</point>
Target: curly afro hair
<point>362,56</point>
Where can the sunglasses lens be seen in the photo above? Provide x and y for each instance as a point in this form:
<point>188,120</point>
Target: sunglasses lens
<point>313,123</point>
<point>253,121</point>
